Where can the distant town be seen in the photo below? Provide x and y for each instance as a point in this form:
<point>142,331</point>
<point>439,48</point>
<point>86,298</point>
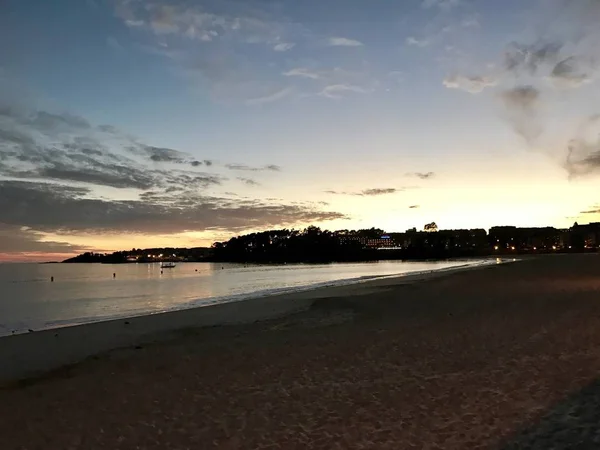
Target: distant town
<point>316,245</point>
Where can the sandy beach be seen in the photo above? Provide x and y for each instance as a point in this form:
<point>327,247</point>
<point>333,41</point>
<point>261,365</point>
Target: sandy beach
<point>505,357</point>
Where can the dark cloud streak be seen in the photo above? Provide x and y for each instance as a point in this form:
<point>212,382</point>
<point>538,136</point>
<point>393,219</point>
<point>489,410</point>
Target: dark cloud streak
<point>521,104</point>
<point>373,192</point>
<point>244,167</point>
<point>421,175</point>
<point>248,181</point>
<point>55,208</point>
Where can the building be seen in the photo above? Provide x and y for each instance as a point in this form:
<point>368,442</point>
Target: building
<point>384,241</point>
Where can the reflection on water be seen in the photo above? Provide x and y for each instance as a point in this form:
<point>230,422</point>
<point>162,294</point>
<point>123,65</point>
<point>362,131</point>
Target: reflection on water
<point>88,292</point>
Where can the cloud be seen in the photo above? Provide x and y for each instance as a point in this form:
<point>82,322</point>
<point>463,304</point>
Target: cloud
<point>596,210</point>
<point>583,151</point>
<point>207,44</point>
<point>411,40</point>
<point>470,22</point>
<point>248,181</point>
<point>284,46</point>
<point>114,44</point>
<point>521,104</point>
<point>564,51</point>
<point>21,243</point>
<point>336,90</point>
<point>373,192</point>
<point>531,57</point>
<point>414,206</point>
<point>343,42</point>
<point>472,84</point>
<point>334,82</point>
<point>46,121</point>
<point>62,147</point>
<point>158,154</point>
<point>442,4</point>
<point>421,175</point>
<point>205,22</point>
<point>134,23</point>
<point>378,191</point>
<point>566,74</point>
<point>196,163</point>
<point>302,72</point>
<point>52,208</point>
<point>271,97</point>
<point>244,167</point>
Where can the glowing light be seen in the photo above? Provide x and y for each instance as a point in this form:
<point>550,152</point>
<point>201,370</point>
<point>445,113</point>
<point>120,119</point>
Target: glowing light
<point>495,247</point>
<point>554,247</point>
<point>512,248</point>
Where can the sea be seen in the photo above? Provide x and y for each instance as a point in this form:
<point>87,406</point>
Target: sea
<point>83,293</point>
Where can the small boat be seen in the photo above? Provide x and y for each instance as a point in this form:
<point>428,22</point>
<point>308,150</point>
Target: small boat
<point>167,265</point>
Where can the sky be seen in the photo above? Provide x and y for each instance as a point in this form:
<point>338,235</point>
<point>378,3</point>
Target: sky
<point>134,123</point>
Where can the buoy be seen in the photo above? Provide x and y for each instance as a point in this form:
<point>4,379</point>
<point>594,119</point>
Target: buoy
<point>52,279</point>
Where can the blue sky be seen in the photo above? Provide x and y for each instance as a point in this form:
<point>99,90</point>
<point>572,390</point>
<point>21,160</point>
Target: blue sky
<point>345,114</point>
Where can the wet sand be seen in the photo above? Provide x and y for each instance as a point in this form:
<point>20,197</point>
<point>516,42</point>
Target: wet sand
<point>506,357</point>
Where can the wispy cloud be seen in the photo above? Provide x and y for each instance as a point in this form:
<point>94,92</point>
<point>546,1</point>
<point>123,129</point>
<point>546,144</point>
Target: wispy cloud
<point>272,97</point>
<point>569,74</point>
<point>337,90</point>
<point>373,192</point>
<point>472,84</point>
<point>302,72</point>
<point>343,42</point>
<point>244,167</point>
<point>114,44</point>
<point>595,210</point>
<point>421,175</point>
<point>530,58</point>
<point>442,4</point>
<point>522,103</point>
<point>208,45</point>
<point>52,209</point>
<point>248,181</point>
<point>583,151</point>
<point>284,46</point>
<point>471,21</point>
<point>411,40</point>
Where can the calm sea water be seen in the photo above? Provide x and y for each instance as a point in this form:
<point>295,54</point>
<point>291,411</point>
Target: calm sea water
<point>84,293</point>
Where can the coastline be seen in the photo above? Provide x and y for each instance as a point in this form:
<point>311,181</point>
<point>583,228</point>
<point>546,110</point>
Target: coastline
<point>33,354</point>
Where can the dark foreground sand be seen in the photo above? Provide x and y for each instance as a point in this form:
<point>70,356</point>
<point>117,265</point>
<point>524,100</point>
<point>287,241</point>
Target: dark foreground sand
<point>506,357</point>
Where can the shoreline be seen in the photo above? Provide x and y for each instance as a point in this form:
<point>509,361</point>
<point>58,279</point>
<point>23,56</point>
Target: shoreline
<point>246,296</point>
<point>27,355</point>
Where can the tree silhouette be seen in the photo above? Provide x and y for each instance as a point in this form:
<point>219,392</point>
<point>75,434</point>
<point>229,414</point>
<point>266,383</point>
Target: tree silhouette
<point>431,227</point>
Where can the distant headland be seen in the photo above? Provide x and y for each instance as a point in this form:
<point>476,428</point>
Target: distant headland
<point>316,245</point>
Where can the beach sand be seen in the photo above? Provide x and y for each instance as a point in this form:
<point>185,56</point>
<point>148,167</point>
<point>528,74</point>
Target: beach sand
<point>505,357</point>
